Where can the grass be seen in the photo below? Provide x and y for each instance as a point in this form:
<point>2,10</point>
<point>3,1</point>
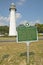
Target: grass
<point>12,53</point>
<point>37,49</point>
<point>13,50</point>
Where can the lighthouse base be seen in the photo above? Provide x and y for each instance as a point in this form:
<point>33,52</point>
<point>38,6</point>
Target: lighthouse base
<point>13,33</point>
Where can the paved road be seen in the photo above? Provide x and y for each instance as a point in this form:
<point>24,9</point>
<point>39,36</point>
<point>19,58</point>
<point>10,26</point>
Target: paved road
<point>7,40</point>
<point>14,40</point>
<point>40,38</point>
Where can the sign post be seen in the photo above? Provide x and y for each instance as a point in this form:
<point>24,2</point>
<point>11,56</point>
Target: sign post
<point>27,52</point>
<point>27,34</point>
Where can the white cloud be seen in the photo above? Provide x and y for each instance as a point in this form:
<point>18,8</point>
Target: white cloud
<point>21,2</point>
<point>18,15</point>
<point>4,20</point>
<point>30,22</point>
<point>2,24</point>
<point>34,22</point>
<point>37,21</point>
<point>23,22</point>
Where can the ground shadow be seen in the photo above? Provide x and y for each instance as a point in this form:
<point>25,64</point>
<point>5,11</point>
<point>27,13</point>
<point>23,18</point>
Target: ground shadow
<point>25,54</point>
<point>31,54</point>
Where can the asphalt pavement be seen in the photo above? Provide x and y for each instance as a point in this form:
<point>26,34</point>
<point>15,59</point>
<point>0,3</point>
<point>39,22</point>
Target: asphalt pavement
<point>15,40</point>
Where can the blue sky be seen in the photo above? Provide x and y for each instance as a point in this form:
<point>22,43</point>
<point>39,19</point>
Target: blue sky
<point>27,11</point>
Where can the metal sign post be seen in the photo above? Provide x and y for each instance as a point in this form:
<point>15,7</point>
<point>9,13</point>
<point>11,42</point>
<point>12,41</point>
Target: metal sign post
<point>27,34</point>
<point>27,52</point>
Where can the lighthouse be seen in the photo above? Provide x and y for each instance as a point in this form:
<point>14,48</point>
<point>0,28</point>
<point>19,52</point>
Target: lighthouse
<point>12,27</point>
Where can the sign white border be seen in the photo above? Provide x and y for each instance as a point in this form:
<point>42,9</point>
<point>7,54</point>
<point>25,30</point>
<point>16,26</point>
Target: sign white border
<point>27,41</point>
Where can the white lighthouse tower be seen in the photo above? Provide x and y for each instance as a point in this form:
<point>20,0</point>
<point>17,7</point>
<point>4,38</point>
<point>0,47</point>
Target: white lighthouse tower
<point>12,28</point>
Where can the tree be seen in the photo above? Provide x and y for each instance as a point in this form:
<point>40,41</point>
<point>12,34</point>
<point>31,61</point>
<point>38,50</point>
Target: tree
<point>4,29</point>
<point>39,27</point>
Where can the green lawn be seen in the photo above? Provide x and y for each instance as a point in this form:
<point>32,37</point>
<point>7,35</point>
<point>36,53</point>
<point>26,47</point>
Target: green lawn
<point>12,53</point>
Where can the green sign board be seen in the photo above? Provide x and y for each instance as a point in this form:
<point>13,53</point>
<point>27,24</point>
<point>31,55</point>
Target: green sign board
<point>27,33</point>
